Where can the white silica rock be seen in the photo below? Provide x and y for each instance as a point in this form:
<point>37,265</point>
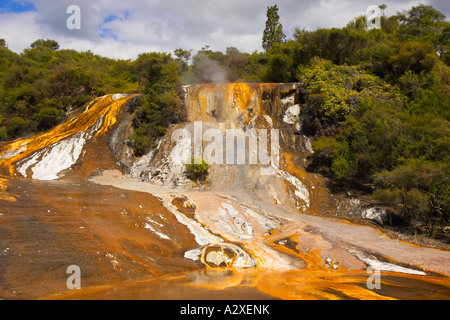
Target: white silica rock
<point>230,209</point>
<point>244,261</point>
<point>173,166</point>
<point>268,223</point>
<point>22,169</point>
<point>193,254</point>
<point>299,188</point>
<point>384,266</point>
<point>59,157</point>
<point>49,162</point>
<point>181,154</point>
<point>118,96</point>
<point>288,101</point>
<point>291,116</point>
<point>14,152</point>
<point>159,234</point>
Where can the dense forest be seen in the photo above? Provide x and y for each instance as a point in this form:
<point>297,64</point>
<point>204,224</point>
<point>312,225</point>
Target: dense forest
<point>377,104</point>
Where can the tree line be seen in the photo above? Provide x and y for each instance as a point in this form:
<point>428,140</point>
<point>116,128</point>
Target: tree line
<point>40,87</point>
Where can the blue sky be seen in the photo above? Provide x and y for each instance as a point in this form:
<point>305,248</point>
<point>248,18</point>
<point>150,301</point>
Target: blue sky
<point>123,29</point>
<point>16,6</point>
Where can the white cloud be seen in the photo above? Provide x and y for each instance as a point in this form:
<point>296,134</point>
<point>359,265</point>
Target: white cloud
<point>123,29</point>
<point>20,29</point>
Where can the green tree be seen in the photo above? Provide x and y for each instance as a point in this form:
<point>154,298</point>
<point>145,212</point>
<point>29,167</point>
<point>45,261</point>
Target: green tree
<point>273,33</point>
<point>47,118</point>
<point>340,88</point>
<point>341,46</point>
<point>43,82</point>
<point>280,68</point>
<point>419,57</point>
<point>161,103</point>
<point>17,126</point>
<point>183,57</point>
<point>236,63</point>
<point>425,23</point>
<point>420,21</point>
<point>45,44</point>
<point>419,191</point>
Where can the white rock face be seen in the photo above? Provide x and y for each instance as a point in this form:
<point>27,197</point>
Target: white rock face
<point>60,157</point>
<point>289,100</point>
<point>300,190</point>
<point>118,96</point>
<point>217,257</point>
<point>375,264</point>
<point>308,145</point>
<point>193,254</point>
<point>49,162</point>
<point>379,215</point>
<point>14,152</point>
<point>159,234</point>
<point>31,161</point>
<point>292,114</point>
<point>180,155</point>
<point>172,171</point>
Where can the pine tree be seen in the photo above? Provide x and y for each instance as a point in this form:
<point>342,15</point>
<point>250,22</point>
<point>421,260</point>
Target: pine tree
<point>273,33</point>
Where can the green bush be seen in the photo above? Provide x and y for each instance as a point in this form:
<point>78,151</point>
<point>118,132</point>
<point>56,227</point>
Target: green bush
<point>419,191</point>
<point>325,151</point>
<point>17,126</point>
<point>139,143</point>
<point>340,89</point>
<point>280,68</point>
<point>197,172</point>
<point>3,134</point>
<point>47,118</point>
<point>161,103</point>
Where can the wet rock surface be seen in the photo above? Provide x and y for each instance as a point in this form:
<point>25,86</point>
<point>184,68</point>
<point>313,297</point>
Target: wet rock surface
<point>53,225</point>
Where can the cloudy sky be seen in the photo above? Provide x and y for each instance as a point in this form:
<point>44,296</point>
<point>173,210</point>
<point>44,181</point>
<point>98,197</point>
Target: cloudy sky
<point>123,29</point>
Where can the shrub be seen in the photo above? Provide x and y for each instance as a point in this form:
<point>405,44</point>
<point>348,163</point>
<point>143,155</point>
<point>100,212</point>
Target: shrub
<point>341,88</point>
<point>3,134</point>
<point>47,118</point>
<point>139,143</point>
<point>161,102</point>
<point>420,193</point>
<point>17,125</point>
<point>197,172</point>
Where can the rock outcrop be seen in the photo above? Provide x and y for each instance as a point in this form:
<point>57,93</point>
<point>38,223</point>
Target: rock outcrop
<point>378,215</point>
<point>79,144</point>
